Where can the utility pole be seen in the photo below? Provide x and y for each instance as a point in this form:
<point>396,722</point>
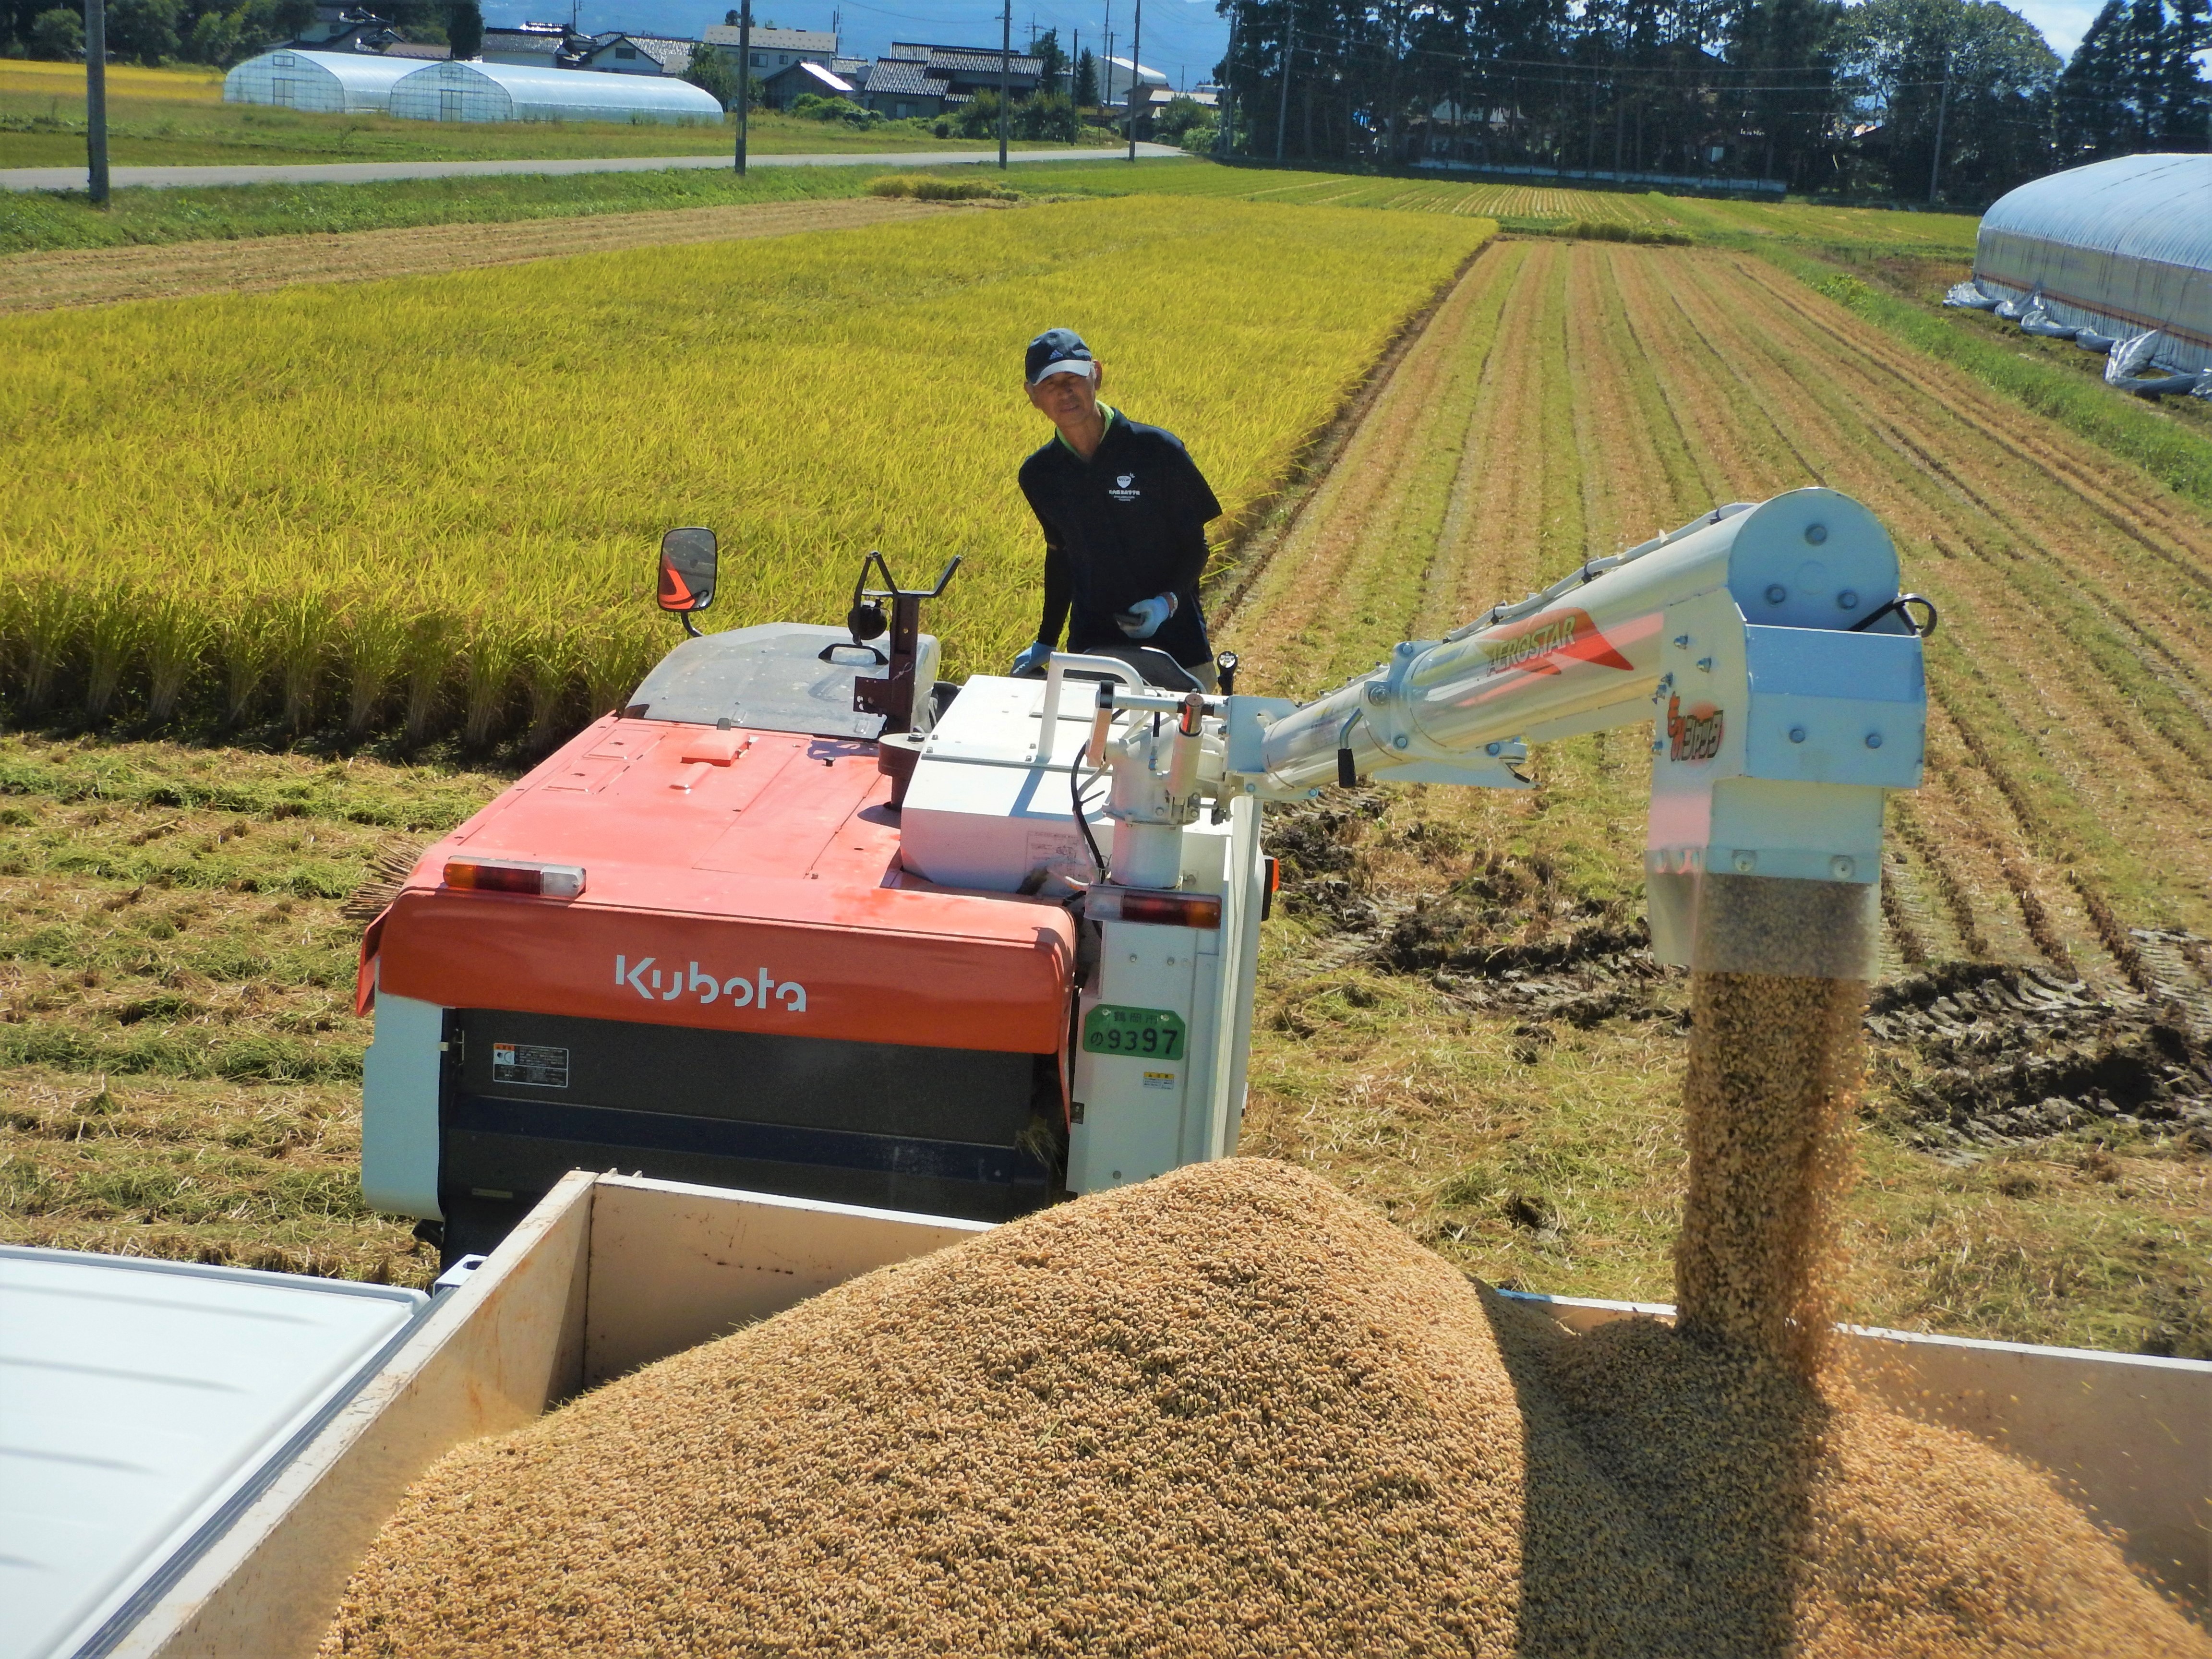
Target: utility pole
<point>95,100</point>
<point>1005,59</point>
<point>1943,108</point>
<point>745,76</point>
<point>1283,105</point>
<point>1136,74</point>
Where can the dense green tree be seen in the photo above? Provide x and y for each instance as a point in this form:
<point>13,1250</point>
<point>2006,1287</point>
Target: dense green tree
<point>713,74</point>
<point>1047,49</point>
<point>143,31</point>
<point>1086,82</point>
<point>464,27</point>
<point>58,35</point>
<point>1976,72</point>
<point>2134,84</point>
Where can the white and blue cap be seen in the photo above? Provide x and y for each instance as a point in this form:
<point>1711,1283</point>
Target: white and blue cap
<point>1058,351</point>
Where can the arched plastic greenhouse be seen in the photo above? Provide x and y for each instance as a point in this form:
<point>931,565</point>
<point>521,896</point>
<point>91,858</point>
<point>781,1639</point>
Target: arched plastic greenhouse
<point>333,82</point>
<point>504,92</point>
<point>2117,246</point>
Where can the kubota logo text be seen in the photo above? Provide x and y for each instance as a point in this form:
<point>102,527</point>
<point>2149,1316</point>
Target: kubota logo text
<point>759,989</point>
<point>1528,644</point>
<point>1695,736</point>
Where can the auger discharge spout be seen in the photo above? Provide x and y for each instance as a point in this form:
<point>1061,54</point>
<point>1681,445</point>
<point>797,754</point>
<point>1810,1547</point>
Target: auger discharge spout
<point>1779,664</point>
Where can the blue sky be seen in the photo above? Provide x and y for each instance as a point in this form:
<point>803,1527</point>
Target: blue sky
<point>1183,38</point>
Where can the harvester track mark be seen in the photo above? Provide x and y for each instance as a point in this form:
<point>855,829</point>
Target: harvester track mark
<point>1494,517</point>
<point>2176,963</point>
<point>1948,885</point>
<point>2003,1056</point>
<point>1903,936</point>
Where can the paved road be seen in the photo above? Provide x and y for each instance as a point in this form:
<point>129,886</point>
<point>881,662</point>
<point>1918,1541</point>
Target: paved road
<point>361,172</point>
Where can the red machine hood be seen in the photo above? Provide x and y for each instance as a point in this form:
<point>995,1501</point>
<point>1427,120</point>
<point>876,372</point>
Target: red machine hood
<point>735,881</point>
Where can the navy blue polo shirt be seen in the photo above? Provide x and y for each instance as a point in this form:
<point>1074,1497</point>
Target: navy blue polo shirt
<point>1124,525</point>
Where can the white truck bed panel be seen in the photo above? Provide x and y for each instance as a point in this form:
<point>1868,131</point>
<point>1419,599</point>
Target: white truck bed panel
<point>136,1398</point>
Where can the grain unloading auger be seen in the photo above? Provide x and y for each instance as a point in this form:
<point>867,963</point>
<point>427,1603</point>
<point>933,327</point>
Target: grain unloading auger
<point>801,918</point>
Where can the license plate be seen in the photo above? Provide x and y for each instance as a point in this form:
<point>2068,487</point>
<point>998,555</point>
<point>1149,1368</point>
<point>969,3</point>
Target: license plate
<point>1140,1033</point>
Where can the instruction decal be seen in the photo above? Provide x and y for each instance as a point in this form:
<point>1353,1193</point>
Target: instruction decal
<point>530,1064</point>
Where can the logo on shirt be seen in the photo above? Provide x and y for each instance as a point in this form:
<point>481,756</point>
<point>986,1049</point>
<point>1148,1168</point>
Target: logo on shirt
<point>1124,488</point>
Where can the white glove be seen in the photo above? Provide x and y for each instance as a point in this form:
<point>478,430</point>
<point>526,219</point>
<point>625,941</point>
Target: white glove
<point>1142,620</point>
<point>1036,658</point>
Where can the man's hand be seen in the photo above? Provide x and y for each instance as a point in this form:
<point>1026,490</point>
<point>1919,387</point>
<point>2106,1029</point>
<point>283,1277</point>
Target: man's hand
<point>1035,658</point>
<point>1142,620</point>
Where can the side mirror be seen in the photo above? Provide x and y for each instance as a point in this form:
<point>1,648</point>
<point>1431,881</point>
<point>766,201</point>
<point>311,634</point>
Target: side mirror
<point>688,559</point>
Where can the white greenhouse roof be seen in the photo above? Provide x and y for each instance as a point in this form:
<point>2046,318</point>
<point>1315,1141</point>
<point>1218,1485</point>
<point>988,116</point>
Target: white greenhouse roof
<point>2144,207</point>
<point>515,91</point>
<point>335,82</point>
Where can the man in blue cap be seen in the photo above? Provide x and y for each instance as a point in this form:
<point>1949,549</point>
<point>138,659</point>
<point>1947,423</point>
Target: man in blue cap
<point>1124,511</point>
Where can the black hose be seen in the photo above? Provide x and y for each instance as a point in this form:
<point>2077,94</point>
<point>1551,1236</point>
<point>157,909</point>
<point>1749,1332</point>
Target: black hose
<point>1082,821</point>
<point>1898,604</point>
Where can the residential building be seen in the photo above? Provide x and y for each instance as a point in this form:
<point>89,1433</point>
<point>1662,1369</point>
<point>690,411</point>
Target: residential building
<point>779,90</point>
<point>526,46</point>
<point>1114,80</point>
<point>967,70</point>
<point>775,49</point>
<point>634,54</point>
<point>900,87</point>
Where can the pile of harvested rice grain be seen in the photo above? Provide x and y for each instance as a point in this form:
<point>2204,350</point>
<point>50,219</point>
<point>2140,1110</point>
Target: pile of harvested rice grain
<point>1228,1411</point>
<point>1773,1076</point>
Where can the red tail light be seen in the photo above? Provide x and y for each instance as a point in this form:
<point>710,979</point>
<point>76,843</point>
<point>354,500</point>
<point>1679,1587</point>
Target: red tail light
<point>1143,904</point>
<point>510,876</point>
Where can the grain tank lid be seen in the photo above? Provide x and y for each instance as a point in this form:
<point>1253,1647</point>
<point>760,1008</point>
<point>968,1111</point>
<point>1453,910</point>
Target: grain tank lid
<point>139,1402</point>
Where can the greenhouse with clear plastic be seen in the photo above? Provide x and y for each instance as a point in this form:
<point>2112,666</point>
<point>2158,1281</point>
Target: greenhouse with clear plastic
<point>508,91</point>
<point>324,82</point>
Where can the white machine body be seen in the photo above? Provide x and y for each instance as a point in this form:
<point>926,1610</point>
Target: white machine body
<point>1164,1014</point>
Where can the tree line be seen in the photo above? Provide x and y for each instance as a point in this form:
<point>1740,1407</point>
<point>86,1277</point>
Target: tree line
<point>1950,100</point>
<point>219,32</point>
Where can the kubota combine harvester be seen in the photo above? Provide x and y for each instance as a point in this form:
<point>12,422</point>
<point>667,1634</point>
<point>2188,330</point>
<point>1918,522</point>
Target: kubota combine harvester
<point>802,918</point>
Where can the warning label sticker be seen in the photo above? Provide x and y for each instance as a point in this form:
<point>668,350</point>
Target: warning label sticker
<point>1059,850</point>
<point>529,1064</point>
<point>1159,1079</point>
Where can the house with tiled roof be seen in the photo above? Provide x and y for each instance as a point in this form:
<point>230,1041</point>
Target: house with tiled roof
<point>967,70</point>
<point>900,87</point>
<point>637,54</point>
